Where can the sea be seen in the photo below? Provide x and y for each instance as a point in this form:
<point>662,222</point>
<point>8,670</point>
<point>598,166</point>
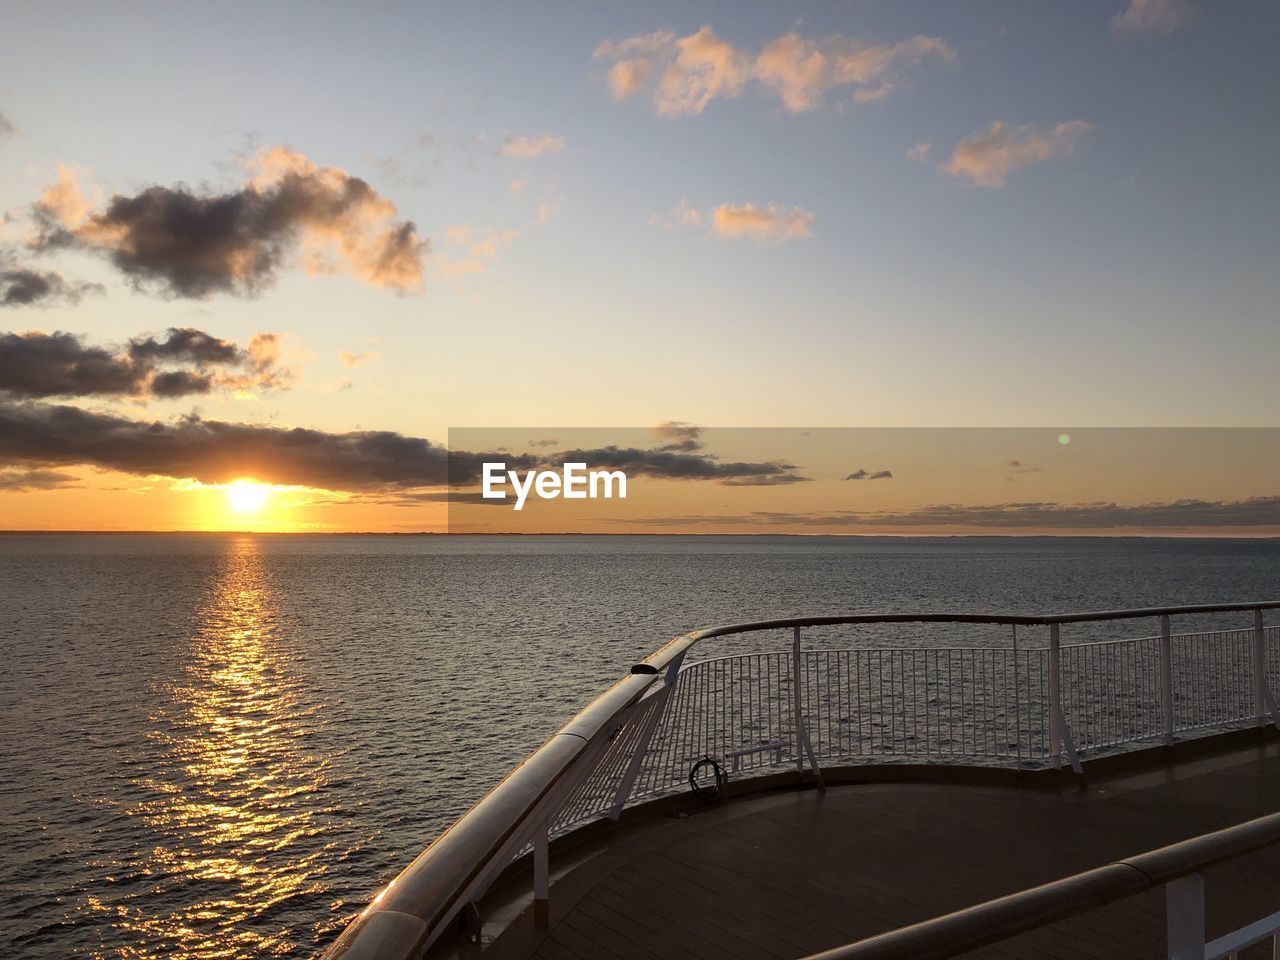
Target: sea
<point>217,746</point>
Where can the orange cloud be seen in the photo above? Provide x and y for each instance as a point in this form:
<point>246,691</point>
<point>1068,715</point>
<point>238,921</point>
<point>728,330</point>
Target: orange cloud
<point>357,359</point>
<point>480,244</point>
<point>767,224</point>
<point>801,71</point>
<point>987,158</point>
<point>693,70</point>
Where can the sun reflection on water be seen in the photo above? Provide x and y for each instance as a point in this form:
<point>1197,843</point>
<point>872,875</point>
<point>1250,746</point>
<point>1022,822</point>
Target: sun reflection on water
<point>240,844</point>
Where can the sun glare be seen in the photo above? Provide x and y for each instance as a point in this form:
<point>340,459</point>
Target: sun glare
<point>245,496</point>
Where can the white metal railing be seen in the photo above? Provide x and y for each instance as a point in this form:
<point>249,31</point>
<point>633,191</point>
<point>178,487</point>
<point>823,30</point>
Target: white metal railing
<point>1185,925</point>
<point>974,705</point>
<point>1177,868</point>
<point>1021,705</point>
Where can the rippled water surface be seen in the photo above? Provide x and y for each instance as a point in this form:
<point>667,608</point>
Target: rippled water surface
<point>220,746</point>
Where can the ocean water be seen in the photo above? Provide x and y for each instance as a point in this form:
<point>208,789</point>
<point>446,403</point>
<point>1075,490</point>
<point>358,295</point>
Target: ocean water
<point>221,746</point>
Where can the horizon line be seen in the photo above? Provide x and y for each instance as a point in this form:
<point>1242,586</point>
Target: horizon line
<point>552,533</point>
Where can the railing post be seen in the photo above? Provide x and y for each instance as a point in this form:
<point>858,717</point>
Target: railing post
<point>1055,696</point>
<point>1184,917</point>
<point>663,697</point>
<point>1166,677</point>
<point>542,875</point>
<point>1259,669</point>
<point>1017,695</point>
<point>1059,733</point>
<point>804,748</point>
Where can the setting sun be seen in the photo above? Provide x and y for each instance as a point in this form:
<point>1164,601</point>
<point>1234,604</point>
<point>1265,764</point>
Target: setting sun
<point>245,496</point>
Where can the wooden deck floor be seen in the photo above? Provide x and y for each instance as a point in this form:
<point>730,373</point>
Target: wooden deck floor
<point>787,874</point>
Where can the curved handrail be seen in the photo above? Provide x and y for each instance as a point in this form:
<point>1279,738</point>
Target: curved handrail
<point>405,917</point>
<point>999,919</point>
<point>429,889</point>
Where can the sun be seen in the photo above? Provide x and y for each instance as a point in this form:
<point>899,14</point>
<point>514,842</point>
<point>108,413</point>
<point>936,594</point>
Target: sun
<point>245,496</point>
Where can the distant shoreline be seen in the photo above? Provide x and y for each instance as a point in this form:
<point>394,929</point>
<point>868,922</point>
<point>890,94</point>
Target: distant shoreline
<point>690,536</point>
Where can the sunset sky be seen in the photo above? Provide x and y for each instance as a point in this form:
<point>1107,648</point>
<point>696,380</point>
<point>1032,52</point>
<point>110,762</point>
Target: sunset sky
<point>296,245</point>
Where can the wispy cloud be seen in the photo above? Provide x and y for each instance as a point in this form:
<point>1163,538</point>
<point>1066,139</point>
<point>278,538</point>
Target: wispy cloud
<point>864,474</point>
<point>525,146</point>
<point>686,73</point>
<point>7,129</point>
<point>1153,16</point>
<point>22,481</point>
<point>919,152</point>
<point>1183,515</point>
<point>988,158</point>
<point>767,223</point>
<point>551,207</point>
<point>801,71</point>
<point>183,243</point>
<point>357,359</point>
<point>681,215</point>
<point>475,247</point>
<point>1017,467</point>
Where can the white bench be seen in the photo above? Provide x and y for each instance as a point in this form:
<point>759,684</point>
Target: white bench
<point>735,756</point>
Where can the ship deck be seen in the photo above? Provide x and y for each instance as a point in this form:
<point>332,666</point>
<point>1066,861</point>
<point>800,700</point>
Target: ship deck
<point>787,873</point>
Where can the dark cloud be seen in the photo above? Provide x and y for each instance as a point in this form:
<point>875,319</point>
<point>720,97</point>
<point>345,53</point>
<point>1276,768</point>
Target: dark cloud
<point>416,498</point>
<point>22,287</point>
<point>863,474</point>
<point>668,463</point>
<point>180,383</point>
<point>679,435</point>
<point>545,442</point>
<point>1100,515</point>
<point>1016,467</point>
<point>7,129</point>
<point>186,344</point>
<point>188,244</point>
<point>19,480</point>
<point>214,451</point>
<point>769,480</point>
<point>40,365</point>
<point>1177,514</point>
<point>60,364</point>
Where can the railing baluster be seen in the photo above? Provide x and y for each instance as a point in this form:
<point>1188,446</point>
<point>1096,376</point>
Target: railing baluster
<point>1184,917</point>
<point>795,698</point>
<point>542,876</point>
<point>1259,676</point>
<point>1055,696</point>
<point>1166,677</point>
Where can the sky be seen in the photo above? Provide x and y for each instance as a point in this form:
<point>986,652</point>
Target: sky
<point>295,245</point>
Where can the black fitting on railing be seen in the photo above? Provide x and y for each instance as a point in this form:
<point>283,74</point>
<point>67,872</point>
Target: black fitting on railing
<point>707,794</point>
